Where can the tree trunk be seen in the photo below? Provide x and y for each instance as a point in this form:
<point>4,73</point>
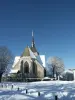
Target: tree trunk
<point>44,72</point>
<point>0,77</point>
<point>54,71</point>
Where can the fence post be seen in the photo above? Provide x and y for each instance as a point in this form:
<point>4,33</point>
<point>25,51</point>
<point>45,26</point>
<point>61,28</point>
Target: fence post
<point>12,86</point>
<point>26,91</point>
<point>2,85</point>
<point>38,93</point>
<point>56,97</point>
<point>18,89</point>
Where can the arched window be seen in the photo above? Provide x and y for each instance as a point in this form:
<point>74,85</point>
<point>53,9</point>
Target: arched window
<point>21,67</point>
<point>26,67</point>
<point>34,68</point>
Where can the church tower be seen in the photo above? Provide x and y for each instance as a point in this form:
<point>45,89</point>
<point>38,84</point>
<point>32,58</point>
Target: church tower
<point>33,43</point>
<point>33,48</point>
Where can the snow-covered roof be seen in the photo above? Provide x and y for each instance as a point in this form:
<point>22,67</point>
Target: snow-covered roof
<point>31,54</point>
<point>43,60</point>
<point>28,52</point>
<point>35,57</point>
<point>13,71</point>
<point>68,71</point>
<point>16,60</point>
<point>39,60</point>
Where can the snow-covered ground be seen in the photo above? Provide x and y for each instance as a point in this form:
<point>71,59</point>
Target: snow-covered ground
<point>65,90</point>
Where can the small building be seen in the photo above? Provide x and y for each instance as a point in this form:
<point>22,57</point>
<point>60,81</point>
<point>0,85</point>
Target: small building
<point>67,75</point>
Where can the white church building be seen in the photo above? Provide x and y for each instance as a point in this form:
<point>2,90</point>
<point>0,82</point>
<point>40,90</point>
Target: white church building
<point>31,64</point>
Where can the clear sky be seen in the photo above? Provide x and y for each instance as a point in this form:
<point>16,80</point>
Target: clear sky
<point>53,23</point>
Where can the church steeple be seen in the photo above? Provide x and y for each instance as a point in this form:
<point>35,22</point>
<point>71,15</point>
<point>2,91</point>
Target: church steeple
<point>33,48</point>
<point>33,43</point>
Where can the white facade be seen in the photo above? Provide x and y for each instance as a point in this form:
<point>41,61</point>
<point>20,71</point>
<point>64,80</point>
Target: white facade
<point>17,58</point>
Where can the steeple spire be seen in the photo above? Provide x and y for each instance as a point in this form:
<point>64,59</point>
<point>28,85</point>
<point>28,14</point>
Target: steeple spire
<point>33,43</point>
<point>33,48</point>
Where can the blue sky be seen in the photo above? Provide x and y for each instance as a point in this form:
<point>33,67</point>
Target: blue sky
<point>53,23</point>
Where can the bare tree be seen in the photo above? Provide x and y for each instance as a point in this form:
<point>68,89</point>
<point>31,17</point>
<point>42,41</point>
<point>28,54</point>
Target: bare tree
<point>48,69</point>
<point>6,59</point>
<point>56,64</point>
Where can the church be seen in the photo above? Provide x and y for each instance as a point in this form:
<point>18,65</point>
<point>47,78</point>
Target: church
<point>30,64</point>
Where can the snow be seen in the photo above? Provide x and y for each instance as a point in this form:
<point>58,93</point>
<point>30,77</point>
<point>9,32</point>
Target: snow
<point>39,59</point>
<point>43,60</point>
<point>46,78</point>
<point>31,54</point>
<point>65,90</point>
<point>16,60</point>
<point>13,71</point>
<point>35,57</point>
<point>68,71</point>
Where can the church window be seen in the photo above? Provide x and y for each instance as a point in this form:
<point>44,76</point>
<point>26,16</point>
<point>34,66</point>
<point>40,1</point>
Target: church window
<point>21,67</point>
<point>26,67</point>
<point>34,68</point>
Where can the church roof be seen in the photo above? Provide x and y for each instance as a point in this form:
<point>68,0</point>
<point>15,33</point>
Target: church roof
<point>33,49</point>
<point>25,52</point>
<point>39,59</point>
<point>32,54</point>
<point>28,52</point>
